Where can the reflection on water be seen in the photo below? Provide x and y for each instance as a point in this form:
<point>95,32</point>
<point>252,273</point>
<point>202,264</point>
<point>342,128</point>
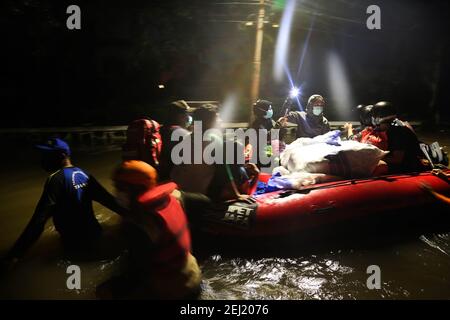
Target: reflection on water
<point>271,278</point>
<point>42,274</point>
<point>411,270</point>
<point>414,269</point>
<point>440,242</point>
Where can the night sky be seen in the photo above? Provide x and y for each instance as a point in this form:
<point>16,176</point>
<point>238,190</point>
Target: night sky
<point>109,71</point>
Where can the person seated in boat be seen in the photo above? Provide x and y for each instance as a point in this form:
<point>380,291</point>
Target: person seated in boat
<point>219,181</point>
<point>161,265</point>
<point>402,142</point>
<point>368,133</point>
<point>311,123</point>
<point>178,119</point>
<point>263,112</point>
<point>67,199</point>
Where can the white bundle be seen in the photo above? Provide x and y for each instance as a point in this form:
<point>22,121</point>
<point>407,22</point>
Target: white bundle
<point>313,156</point>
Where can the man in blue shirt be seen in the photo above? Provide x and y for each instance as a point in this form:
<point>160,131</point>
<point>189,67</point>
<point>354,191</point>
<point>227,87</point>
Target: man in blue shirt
<point>67,198</point>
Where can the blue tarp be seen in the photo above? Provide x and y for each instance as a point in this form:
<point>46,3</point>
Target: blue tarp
<point>277,182</point>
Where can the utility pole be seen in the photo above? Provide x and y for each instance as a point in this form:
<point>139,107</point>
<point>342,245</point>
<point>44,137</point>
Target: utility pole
<point>256,79</point>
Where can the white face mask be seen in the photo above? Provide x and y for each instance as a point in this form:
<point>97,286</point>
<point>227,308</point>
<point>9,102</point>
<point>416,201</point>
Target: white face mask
<point>317,111</point>
<point>123,199</point>
<point>189,122</point>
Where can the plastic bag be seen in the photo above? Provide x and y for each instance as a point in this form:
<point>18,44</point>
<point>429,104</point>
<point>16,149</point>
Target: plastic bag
<point>328,155</point>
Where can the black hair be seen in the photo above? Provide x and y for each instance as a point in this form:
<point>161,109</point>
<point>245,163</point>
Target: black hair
<point>206,112</point>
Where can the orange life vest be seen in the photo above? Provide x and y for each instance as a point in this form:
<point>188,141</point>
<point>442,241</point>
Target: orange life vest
<point>174,241</point>
<point>374,137</point>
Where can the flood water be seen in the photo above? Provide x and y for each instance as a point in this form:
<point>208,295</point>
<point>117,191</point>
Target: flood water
<point>413,266</point>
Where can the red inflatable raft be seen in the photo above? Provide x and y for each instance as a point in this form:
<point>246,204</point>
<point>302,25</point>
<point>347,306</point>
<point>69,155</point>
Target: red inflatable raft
<point>291,212</point>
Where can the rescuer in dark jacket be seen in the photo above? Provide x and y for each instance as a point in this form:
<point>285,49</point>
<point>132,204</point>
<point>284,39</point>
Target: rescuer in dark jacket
<point>311,123</point>
<point>402,142</point>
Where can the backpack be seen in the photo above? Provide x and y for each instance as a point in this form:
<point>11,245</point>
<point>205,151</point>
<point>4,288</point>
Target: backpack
<point>143,142</point>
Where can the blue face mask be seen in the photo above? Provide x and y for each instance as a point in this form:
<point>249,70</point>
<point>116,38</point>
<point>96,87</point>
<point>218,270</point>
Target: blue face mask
<point>269,114</point>
<point>317,111</point>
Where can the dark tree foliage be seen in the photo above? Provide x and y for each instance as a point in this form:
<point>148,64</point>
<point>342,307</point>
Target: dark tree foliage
<point>109,71</point>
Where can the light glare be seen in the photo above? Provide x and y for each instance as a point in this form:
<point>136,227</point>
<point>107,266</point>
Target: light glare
<point>294,92</point>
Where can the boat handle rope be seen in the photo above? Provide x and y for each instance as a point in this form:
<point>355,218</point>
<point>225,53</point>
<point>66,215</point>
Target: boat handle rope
<point>287,193</point>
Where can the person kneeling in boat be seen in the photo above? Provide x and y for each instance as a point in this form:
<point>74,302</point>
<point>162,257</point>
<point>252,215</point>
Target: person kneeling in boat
<point>67,198</point>
<point>368,133</point>
<point>404,155</point>
<point>161,263</point>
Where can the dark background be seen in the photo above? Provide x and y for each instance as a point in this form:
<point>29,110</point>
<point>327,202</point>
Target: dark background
<point>109,71</point>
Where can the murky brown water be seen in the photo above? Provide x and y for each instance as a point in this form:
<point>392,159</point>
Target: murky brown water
<point>412,267</point>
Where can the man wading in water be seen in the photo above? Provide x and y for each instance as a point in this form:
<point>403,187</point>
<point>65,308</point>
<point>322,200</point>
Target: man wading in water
<point>67,198</point>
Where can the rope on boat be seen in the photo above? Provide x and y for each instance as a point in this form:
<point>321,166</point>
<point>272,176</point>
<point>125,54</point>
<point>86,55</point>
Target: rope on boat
<point>360,180</point>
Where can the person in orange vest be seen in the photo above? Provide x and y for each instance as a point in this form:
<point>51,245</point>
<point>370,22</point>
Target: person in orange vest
<point>161,264</point>
<point>368,133</point>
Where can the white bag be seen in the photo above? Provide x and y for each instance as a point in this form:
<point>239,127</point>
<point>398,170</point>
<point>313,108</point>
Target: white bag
<point>348,159</point>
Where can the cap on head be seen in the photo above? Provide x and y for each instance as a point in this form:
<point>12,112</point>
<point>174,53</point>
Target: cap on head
<point>179,106</point>
<point>384,111</point>
<point>316,100</point>
<point>365,114</point>
<point>136,173</point>
<point>206,112</point>
<point>260,107</point>
<point>55,144</point>
<point>360,107</point>
<point>262,104</point>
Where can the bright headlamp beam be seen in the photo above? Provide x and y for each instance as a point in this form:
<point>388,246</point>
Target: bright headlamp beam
<point>305,48</point>
<point>282,45</point>
<point>294,92</point>
<point>340,88</point>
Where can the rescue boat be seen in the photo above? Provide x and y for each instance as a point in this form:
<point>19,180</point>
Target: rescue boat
<point>288,212</point>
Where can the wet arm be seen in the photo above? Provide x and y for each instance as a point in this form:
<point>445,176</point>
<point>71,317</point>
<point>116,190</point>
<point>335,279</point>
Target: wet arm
<point>249,185</point>
<point>102,196</point>
<point>33,230</point>
<point>292,117</point>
